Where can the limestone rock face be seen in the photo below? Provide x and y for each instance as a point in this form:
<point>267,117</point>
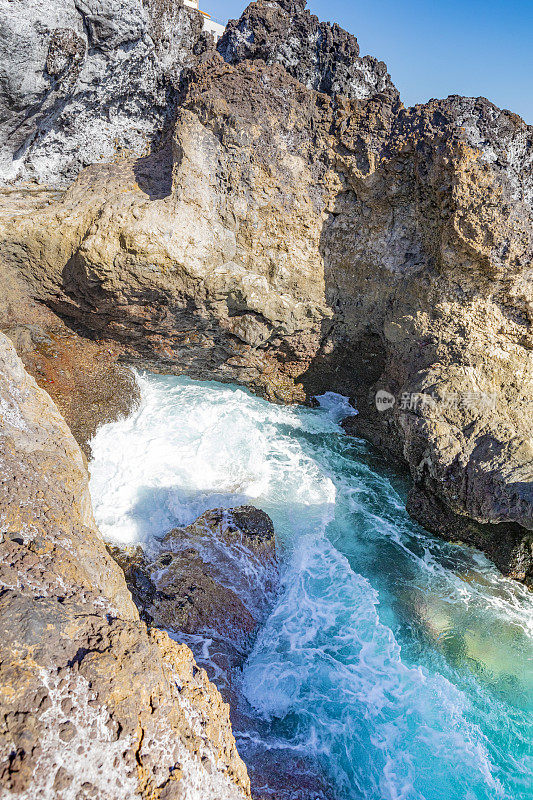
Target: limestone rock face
<point>93,704</point>
<point>85,80</point>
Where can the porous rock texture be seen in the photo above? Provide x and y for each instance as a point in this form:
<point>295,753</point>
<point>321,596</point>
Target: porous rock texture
<point>320,55</point>
<point>306,232</point>
<point>216,578</point>
<point>93,704</point>
<point>83,81</point>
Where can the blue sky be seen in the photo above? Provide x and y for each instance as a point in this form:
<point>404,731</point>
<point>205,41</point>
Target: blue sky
<point>433,49</point>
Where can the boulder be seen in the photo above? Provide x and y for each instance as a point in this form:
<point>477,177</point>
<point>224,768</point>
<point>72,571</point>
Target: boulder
<point>216,578</point>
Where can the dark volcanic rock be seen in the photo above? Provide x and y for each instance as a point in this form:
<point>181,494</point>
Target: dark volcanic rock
<point>216,577</point>
<point>320,55</point>
<point>506,544</point>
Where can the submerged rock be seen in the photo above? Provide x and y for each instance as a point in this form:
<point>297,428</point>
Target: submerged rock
<point>93,703</point>
<point>216,577</point>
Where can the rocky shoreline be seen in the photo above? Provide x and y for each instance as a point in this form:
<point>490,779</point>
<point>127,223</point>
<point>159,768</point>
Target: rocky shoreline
<point>94,704</point>
<point>264,212</point>
<point>293,240</point>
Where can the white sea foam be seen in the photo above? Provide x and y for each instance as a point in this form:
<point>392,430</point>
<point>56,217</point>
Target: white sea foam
<point>325,656</point>
<point>188,450</point>
<point>395,660</point>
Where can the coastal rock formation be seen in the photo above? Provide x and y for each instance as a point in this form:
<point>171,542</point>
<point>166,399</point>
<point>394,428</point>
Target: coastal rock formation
<point>46,512</point>
<point>216,577</point>
<point>297,240</point>
<point>83,81</point>
<point>83,376</point>
<point>93,703</point>
<point>318,54</point>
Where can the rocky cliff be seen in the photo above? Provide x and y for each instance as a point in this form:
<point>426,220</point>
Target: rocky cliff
<point>304,231</point>
<point>93,703</point>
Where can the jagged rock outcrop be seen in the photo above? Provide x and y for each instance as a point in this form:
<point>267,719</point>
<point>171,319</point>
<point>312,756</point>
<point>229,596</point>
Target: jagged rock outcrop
<point>217,577</point>
<point>320,55</point>
<point>296,241</point>
<point>93,704</point>
<point>212,584</point>
<point>83,81</point>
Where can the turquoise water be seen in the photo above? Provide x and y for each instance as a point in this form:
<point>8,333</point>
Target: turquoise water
<point>398,664</point>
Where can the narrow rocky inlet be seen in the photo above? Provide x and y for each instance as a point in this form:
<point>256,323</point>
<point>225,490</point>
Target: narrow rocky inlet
<point>266,456</point>
<point>363,631</point>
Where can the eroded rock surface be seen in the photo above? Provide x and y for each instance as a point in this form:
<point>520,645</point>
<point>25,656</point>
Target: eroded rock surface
<point>93,704</point>
<point>88,80</point>
<point>296,240</point>
<point>216,578</point>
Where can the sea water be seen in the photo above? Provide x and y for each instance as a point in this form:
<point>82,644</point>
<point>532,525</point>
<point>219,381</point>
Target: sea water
<point>398,663</point>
